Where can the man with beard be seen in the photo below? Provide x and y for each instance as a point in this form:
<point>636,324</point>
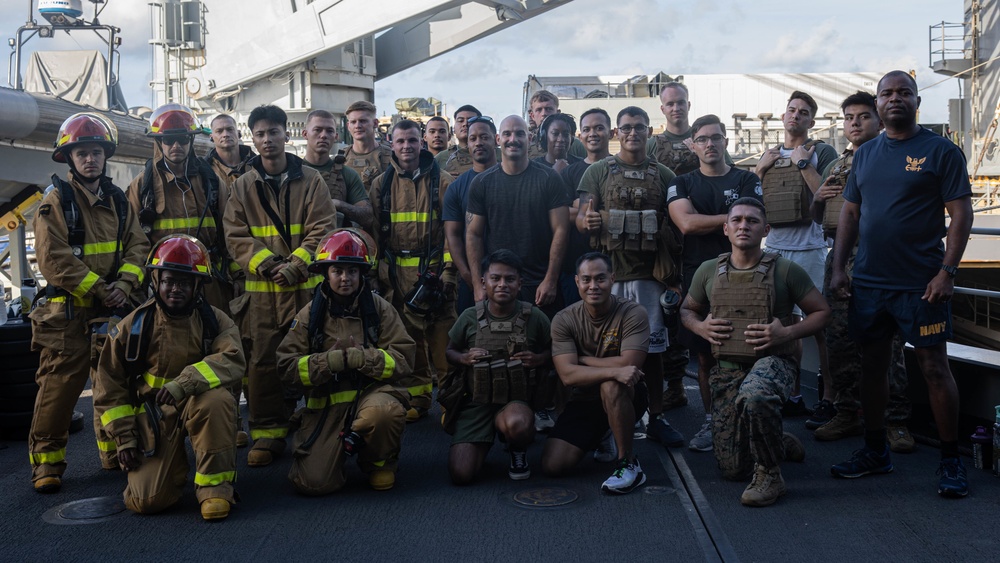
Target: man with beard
<point>91,251</point>
<point>346,189</point>
<point>168,371</point>
<point>482,142</point>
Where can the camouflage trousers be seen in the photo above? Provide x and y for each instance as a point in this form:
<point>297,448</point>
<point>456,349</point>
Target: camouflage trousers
<point>844,356</point>
<point>746,414</point>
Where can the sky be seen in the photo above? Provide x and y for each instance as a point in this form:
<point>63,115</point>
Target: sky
<point>623,37</point>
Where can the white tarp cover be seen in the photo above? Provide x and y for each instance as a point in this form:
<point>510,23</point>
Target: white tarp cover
<point>76,76</point>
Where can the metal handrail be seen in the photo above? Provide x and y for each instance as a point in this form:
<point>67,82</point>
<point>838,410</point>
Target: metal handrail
<point>985,231</point>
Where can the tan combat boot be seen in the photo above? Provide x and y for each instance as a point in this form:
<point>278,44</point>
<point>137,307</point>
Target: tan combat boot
<point>843,425</point>
<point>794,450</point>
<point>899,438</point>
<point>675,396</point>
<point>765,488</point>
<point>214,508</point>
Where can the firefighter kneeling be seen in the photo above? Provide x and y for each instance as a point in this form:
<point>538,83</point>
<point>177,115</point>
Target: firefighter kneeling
<point>348,351</point>
<point>166,372</point>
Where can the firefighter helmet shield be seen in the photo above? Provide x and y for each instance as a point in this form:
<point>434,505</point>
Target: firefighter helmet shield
<point>343,247</point>
<point>173,119</point>
<point>85,127</point>
<point>181,253</point>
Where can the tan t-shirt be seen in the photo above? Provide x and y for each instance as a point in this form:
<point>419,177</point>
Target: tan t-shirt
<point>574,331</point>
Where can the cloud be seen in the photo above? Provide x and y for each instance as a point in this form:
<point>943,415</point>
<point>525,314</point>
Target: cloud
<point>805,50</point>
<point>462,68</point>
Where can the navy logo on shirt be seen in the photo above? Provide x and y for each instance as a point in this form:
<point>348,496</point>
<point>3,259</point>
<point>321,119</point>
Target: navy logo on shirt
<point>913,164</point>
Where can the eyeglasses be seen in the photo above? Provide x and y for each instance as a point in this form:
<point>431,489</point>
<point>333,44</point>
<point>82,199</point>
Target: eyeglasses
<point>176,140</point>
<point>480,119</point>
<point>638,128</point>
<point>181,284</point>
<point>703,140</point>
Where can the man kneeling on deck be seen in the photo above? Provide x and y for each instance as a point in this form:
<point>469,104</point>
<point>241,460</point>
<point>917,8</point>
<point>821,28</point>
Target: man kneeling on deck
<point>348,351</point>
<point>167,371</point>
<point>741,303</point>
<point>498,347</point>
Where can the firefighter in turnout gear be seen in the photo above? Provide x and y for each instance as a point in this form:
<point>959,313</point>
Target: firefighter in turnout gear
<point>276,215</point>
<point>415,270</point>
<point>349,352</point>
<point>167,372</point>
<point>91,250</point>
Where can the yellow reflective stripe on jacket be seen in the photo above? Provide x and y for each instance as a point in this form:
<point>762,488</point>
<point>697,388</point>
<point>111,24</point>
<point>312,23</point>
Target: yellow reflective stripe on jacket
<point>379,463</point>
<point>303,255</point>
<point>234,267</point>
<point>100,247</point>
<point>316,403</point>
<point>120,412</point>
<point>208,374</point>
<point>414,261</point>
<point>106,446</point>
<point>259,259</point>
<point>304,371</point>
<point>38,458</point>
<point>185,223</point>
<point>213,479</point>
<point>88,282</point>
<point>272,231</point>
<point>258,433</point>
<point>418,390</point>
<point>411,217</point>
<point>78,301</point>
<point>390,364</point>
<point>447,257</point>
<point>130,269</point>
<point>154,381</point>
<point>266,286</point>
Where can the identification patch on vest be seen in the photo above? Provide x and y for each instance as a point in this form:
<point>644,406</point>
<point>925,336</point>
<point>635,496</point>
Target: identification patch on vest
<point>783,163</point>
<point>360,162</point>
<point>634,174</point>
<point>501,326</point>
<point>45,209</point>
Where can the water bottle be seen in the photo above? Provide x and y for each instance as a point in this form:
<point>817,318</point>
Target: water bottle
<point>996,443</point>
<point>982,443</point>
<point>28,289</point>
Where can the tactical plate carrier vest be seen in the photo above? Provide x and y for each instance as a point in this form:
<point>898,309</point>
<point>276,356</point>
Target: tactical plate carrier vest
<point>675,155</point>
<point>458,162</point>
<point>633,200</point>
<point>370,165</point>
<point>786,195</point>
<point>500,380</point>
<point>745,304</point>
<point>838,177</point>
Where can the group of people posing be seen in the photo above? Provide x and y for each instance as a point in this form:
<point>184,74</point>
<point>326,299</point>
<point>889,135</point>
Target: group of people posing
<point>542,282</point>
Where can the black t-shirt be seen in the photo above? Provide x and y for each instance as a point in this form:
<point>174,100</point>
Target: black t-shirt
<point>579,243</point>
<point>516,209</point>
<point>902,187</point>
<point>711,195</point>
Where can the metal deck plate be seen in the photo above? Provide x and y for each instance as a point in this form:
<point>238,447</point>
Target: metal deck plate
<point>86,511</point>
<point>545,497</point>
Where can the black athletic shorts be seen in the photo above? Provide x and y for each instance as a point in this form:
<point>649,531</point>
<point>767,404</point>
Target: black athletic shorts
<point>584,423</point>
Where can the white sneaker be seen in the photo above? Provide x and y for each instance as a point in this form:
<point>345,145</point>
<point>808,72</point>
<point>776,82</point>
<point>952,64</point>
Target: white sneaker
<point>702,441</point>
<point>607,450</point>
<point>544,421</point>
<point>626,478</point>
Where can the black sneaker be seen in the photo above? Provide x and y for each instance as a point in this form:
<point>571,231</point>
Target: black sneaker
<point>952,482</point>
<point>659,430</point>
<point>519,469</point>
<point>795,408</point>
<point>823,412</point>
<point>865,461</point>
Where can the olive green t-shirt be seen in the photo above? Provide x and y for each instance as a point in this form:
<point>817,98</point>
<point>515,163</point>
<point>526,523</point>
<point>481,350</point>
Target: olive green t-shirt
<point>352,180</point>
<point>791,283</point>
<point>628,264</point>
<point>536,330</point>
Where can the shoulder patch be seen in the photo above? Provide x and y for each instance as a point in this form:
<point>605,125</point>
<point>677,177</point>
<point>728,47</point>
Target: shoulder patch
<point>113,333</point>
<point>45,209</point>
<point>295,323</point>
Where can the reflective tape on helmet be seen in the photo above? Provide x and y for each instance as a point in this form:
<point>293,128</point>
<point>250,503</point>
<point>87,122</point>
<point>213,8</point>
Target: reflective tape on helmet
<point>390,364</point>
<point>208,373</point>
<point>304,371</point>
<point>214,479</point>
<point>38,458</point>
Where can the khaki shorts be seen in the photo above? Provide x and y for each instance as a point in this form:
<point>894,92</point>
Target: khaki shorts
<point>474,423</point>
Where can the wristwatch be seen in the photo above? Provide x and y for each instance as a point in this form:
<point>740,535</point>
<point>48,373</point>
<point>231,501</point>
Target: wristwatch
<point>952,271</point>
<point>802,163</point>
